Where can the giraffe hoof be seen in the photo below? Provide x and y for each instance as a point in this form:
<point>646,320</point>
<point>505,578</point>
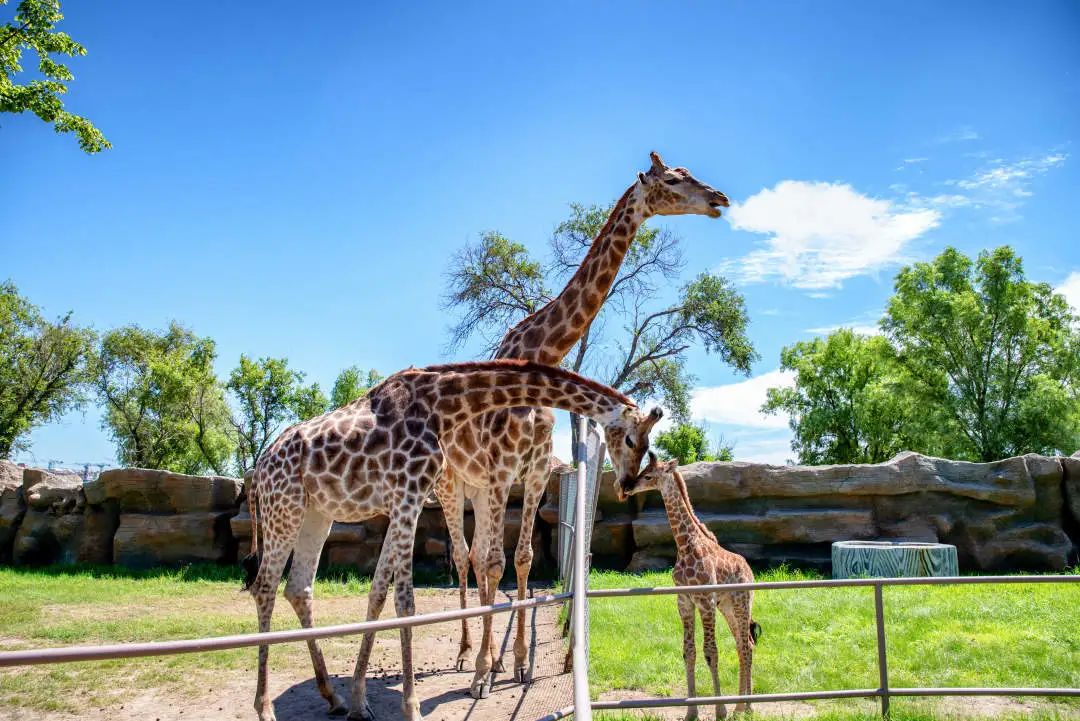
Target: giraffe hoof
<point>481,688</point>
<point>497,666</point>
<point>521,674</point>
<point>363,714</point>
<point>460,664</point>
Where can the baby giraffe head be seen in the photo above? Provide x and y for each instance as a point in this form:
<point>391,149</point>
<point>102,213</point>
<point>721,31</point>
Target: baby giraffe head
<point>627,438</point>
<point>654,477</point>
<point>674,191</point>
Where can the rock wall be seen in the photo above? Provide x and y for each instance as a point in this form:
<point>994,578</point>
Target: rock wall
<point>1018,513</point>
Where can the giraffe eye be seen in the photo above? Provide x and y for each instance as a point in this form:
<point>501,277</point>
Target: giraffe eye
<point>629,442</point>
<point>672,181</point>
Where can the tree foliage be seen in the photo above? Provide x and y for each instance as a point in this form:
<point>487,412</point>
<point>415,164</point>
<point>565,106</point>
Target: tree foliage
<point>164,406</point>
<point>995,355</point>
<point>43,368</point>
<point>637,343</point>
<point>977,363</point>
<point>268,394</point>
<point>352,383</point>
<point>32,29</point>
<point>849,403</point>
<point>687,443</point>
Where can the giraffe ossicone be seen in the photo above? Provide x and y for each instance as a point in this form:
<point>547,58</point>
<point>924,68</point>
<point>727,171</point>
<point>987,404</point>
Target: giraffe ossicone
<point>486,455</point>
<point>381,455</point>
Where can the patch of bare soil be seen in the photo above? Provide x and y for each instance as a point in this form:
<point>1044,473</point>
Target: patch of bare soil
<point>444,692</point>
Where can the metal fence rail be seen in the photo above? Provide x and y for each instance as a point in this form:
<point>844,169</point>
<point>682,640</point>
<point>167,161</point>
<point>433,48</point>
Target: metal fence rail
<point>30,657</point>
<point>883,692</point>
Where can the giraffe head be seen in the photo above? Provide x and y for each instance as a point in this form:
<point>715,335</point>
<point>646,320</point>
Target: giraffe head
<point>653,478</point>
<point>627,438</point>
<point>674,191</point>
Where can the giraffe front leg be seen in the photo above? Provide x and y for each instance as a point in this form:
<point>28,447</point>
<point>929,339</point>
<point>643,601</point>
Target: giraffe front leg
<point>496,559</point>
<point>360,709</point>
<point>708,627</point>
<point>535,481</point>
<point>686,615</point>
<point>451,496</point>
<point>480,687</point>
<point>404,604</point>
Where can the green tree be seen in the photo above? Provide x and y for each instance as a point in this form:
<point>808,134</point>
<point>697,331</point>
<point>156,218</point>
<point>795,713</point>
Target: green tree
<point>163,404</point>
<point>687,443</point>
<point>637,343</point>
<point>997,356</point>
<point>267,395</point>
<point>43,368</point>
<point>849,403</point>
<point>32,29</point>
<point>352,383</point>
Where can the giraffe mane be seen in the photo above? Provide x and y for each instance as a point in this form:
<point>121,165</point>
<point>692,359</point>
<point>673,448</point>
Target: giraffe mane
<point>527,366</point>
<point>680,483</point>
<point>592,249</point>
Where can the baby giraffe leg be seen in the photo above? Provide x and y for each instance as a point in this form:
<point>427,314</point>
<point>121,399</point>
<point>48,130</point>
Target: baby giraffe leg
<point>708,627</point>
<point>738,619</point>
<point>686,615</point>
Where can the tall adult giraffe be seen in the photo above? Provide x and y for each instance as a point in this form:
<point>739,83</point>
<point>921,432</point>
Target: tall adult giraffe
<point>381,455</point>
<point>487,455</point>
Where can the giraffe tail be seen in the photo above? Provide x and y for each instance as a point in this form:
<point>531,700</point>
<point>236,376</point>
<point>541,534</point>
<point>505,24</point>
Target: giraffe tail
<point>250,563</point>
<point>755,631</point>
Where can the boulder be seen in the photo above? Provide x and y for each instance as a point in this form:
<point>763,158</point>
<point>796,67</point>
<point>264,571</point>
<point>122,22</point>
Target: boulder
<point>12,507</point>
<point>140,490</point>
<point>780,526</point>
<point>44,538</point>
<point>1071,484</point>
<point>143,540</point>
<point>57,493</point>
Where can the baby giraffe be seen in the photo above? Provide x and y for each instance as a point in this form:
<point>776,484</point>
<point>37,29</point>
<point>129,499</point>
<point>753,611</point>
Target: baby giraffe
<point>700,561</point>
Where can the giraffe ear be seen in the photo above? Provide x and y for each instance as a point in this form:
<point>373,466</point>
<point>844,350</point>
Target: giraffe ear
<point>641,177</point>
<point>657,162</point>
<point>671,465</point>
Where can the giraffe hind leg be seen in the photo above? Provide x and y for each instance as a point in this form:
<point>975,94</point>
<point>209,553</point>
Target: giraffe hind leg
<point>686,615</point>
<point>299,591</point>
<point>535,482</point>
<point>452,500</point>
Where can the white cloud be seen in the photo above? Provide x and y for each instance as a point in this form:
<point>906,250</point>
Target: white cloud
<point>1012,178</point>
<point>769,447</point>
<point>912,161</point>
<point>739,404</point>
<point>820,234</point>
<point>861,329</point>
<point>1070,288</point>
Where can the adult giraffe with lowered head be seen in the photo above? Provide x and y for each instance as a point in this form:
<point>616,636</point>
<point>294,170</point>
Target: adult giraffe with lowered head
<point>485,456</point>
<point>382,455</point>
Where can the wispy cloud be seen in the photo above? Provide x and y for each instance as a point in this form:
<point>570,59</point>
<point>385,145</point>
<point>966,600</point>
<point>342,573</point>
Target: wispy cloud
<point>738,404</point>
<point>963,134</point>
<point>860,328</point>
<point>1000,187</point>
<point>820,234</point>
<point>1070,288</point>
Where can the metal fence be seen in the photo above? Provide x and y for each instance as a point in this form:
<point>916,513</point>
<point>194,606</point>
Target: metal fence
<point>583,707</point>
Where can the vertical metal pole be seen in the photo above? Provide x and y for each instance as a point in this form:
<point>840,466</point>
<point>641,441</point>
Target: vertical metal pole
<point>582,703</point>
<point>882,662</point>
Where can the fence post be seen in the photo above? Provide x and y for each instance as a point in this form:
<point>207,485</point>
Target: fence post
<point>883,665</point>
<point>582,703</point>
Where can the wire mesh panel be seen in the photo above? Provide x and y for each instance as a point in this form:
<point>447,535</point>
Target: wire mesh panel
<point>594,461</point>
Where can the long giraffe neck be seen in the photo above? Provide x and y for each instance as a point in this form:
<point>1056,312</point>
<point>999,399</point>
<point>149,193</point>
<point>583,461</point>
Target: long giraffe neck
<point>685,525</point>
<point>463,390</point>
<point>547,335</point>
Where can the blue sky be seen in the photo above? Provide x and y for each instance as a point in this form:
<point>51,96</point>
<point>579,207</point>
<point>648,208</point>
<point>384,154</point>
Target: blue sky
<point>291,180</point>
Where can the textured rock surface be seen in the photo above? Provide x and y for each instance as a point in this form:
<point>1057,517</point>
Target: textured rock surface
<point>143,539</point>
<point>1007,514</point>
<point>138,490</point>
<point>12,507</point>
<point>55,492</point>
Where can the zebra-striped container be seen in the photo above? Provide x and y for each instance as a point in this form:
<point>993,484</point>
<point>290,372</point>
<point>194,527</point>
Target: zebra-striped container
<point>893,559</point>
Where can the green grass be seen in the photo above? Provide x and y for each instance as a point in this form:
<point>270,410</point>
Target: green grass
<point>79,605</point>
<point>819,639</point>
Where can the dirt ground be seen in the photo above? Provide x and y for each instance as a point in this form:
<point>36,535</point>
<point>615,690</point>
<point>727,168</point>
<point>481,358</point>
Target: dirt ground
<point>444,692</point>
